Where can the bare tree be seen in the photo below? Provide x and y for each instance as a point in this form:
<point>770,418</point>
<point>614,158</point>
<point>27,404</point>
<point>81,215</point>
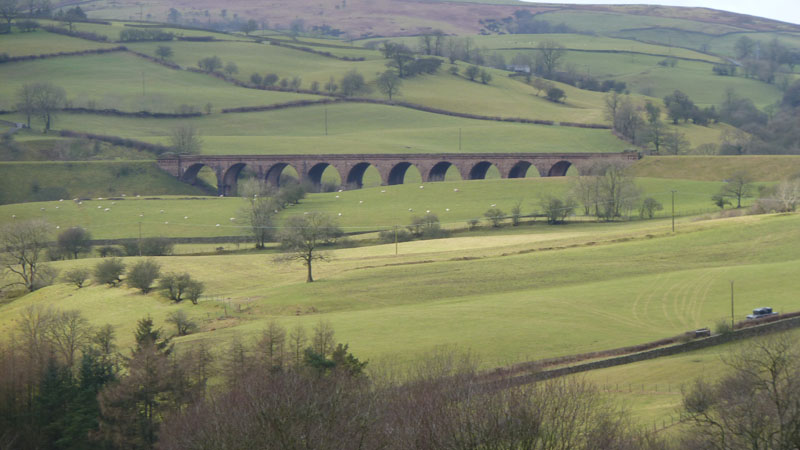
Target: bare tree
<point>297,343</point>
<point>273,346</point>
<point>260,211</point>
<point>549,57</point>
<point>22,244</point>
<point>739,185</point>
<point>48,99</point>
<point>26,101</point>
<point>186,139</point>
<point>69,332</point>
<point>787,194</point>
<point>9,10</point>
<point>303,236</point>
<point>755,405</point>
<point>389,83</point>
<point>323,341</point>
<point>74,241</point>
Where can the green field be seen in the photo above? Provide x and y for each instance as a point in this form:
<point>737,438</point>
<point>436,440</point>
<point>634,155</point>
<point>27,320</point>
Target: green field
<point>352,128</point>
<point>39,42</point>
<point>129,83</point>
<point>361,210</point>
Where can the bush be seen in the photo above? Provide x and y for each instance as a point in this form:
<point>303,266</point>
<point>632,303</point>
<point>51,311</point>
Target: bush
<point>109,271</point>
<point>426,227</point>
<point>556,95</point>
<point>178,285</point>
<point>496,216</point>
<point>111,250</point>
<point>473,223</point>
<point>723,326</point>
<point>151,246</point>
<point>649,208</point>
<point>142,275</point>
<point>401,234</point>
<point>182,322</point>
<point>74,241</point>
<point>77,276</point>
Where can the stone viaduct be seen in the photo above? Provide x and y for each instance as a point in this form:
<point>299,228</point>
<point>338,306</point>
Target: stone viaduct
<point>392,167</point>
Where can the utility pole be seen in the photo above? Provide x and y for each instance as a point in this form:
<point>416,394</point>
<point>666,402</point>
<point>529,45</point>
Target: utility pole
<point>395,241</point>
<point>143,90</point>
<point>459,140</point>
<point>326,121</point>
<point>140,238</point>
<point>732,317</point>
<point>673,211</point>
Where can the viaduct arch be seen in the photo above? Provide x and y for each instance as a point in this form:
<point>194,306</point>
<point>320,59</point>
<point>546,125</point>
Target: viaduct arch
<point>391,167</point>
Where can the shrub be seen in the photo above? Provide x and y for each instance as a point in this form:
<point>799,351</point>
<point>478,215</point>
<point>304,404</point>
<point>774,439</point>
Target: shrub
<point>109,271</point>
<point>45,276</point>
<point>556,95</point>
<point>426,227</point>
<point>649,208</point>
<point>111,250</point>
<point>182,322</point>
<point>142,275</point>
<point>401,234</point>
<point>495,215</point>
<point>77,276</point>
<point>151,246</point>
<point>473,223</point>
<point>177,285</point>
<point>723,326</point>
<point>74,241</point>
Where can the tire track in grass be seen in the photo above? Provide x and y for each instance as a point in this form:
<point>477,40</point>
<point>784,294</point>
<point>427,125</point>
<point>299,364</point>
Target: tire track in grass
<point>665,297</point>
<point>682,302</point>
<point>700,301</point>
<point>648,296</point>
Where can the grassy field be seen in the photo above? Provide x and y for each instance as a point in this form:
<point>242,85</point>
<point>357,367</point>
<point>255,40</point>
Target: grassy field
<point>361,210</point>
<point>352,128</point>
<point>34,181</point>
<point>129,83</point>
<point>608,22</point>
<point>38,42</point>
<point>715,168</point>
<point>502,296</point>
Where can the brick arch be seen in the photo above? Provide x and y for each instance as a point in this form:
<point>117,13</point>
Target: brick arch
<point>190,174</point>
<point>439,171</point>
<point>273,174</point>
<point>355,176</point>
<point>314,174</point>
<point>559,169</point>
<point>479,169</point>
<point>398,172</point>
<point>230,179</point>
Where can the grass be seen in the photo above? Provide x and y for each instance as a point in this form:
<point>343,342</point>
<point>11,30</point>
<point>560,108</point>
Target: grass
<point>129,83</point>
<point>361,210</point>
<point>38,42</point>
<point>608,22</point>
<point>20,182</point>
<point>715,168</point>
<point>504,302</point>
<point>352,128</point>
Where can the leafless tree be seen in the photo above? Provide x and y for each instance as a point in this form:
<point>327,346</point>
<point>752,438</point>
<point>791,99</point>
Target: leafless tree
<point>303,236</point>
<point>22,244</point>
<point>186,139</point>
<point>549,57</point>
<point>755,405</point>
<point>69,332</point>
<point>739,185</point>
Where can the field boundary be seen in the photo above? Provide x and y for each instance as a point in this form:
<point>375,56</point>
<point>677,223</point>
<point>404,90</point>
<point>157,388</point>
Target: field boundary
<point>780,323</point>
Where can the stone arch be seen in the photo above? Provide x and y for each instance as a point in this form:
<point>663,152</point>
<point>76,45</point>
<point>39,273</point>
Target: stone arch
<point>519,170</point>
<point>273,174</point>
<point>355,177</point>
<point>478,171</point>
<point>439,171</point>
<point>398,172</point>
<point>230,178</point>
<point>314,174</point>
<point>190,174</point>
<point>559,169</point>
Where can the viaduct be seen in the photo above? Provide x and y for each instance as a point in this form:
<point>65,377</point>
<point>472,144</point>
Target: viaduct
<point>392,167</point>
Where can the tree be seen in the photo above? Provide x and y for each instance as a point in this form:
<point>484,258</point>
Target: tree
<point>303,236</point>
<point>674,142</point>
<point>352,83</point>
<point>628,122</point>
<point>331,85</point>
<point>549,57</point>
<point>486,77</point>
<point>389,83</point>
<point>77,276</point>
<point>720,200</point>
<point>256,79</point>
<point>739,185</point>
<point>755,405</point>
<point>72,15</point>
<point>210,64</point>
<point>516,213</point>
<point>472,72</point>
<point>555,209</point>
<point>323,341</point>
<point>249,26</point>
<point>679,106</point>
<point>22,244</point>
<point>9,10</point>
<point>186,139</point>
<point>74,241</point>
<point>231,68</point>
<point>175,285</point>
<point>556,95</point>
<point>496,216</point>
<point>183,324</point>
<point>540,84</point>
<point>109,271</point>
<point>47,100</point>
<point>649,207</point>
<point>174,16</point>
<point>260,216</point>
<point>612,101</point>
<point>142,275</point>
<point>744,47</point>
<point>270,79</point>
<point>163,52</point>
<point>787,195</point>
<point>616,191</point>
<point>69,332</point>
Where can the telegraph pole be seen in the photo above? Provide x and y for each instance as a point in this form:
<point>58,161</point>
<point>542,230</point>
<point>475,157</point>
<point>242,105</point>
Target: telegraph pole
<point>326,121</point>
<point>459,140</point>
<point>140,238</point>
<point>673,211</point>
<point>395,241</point>
<point>732,316</point>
